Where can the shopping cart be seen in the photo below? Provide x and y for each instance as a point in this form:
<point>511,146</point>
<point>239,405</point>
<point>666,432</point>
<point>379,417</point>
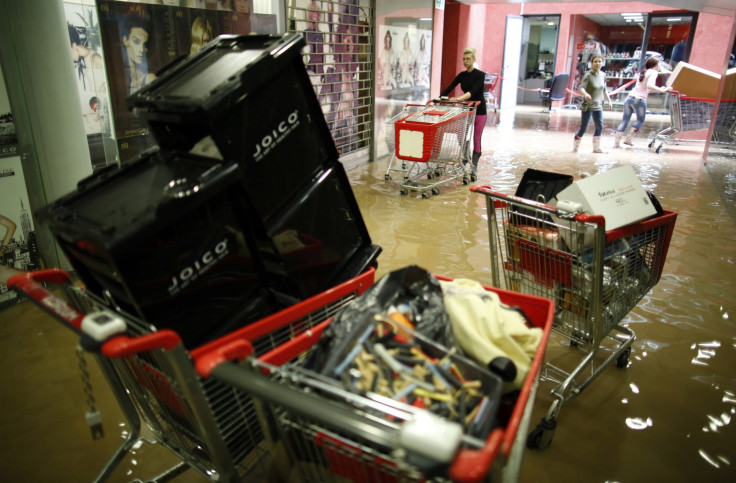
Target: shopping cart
<point>391,138</point>
<point>331,434</point>
<point>208,425</point>
<point>596,277</point>
<point>436,143</point>
<point>687,114</point>
<point>724,131</point>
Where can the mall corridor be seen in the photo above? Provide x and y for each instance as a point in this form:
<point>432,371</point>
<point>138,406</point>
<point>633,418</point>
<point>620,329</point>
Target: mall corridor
<point>666,417</point>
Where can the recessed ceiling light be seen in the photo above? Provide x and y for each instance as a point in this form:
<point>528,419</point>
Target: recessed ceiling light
<point>674,19</point>
<point>550,23</point>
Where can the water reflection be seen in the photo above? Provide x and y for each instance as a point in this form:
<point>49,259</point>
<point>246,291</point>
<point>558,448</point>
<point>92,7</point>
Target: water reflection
<point>680,356</point>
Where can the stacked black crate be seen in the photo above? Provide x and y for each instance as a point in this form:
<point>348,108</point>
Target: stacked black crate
<point>243,209</point>
<point>166,238</point>
<point>248,100</point>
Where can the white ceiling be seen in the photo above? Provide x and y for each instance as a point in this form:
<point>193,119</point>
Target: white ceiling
<point>718,7</point>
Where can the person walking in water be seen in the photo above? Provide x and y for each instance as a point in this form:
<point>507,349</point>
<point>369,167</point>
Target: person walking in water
<point>593,89</point>
<point>636,102</point>
<point>471,82</point>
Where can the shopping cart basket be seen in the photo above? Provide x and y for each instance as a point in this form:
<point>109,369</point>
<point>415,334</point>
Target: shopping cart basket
<point>436,143</point>
<point>331,434</point>
<point>595,277</point>
<point>391,138</point>
<point>207,424</point>
<point>724,131</point>
<point>687,114</point>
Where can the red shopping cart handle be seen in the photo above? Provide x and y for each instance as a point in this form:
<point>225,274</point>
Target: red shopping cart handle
<point>238,349</point>
<point>124,346</point>
<point>29,284</point>
<point>472,466</point>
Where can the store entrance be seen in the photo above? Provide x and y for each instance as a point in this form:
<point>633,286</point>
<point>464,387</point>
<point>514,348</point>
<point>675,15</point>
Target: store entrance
<point>539,48</point>
<point>621,39</point>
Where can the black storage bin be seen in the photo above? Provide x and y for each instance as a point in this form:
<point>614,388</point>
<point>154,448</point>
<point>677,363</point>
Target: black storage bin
<point>321,235</point>
<point>251,96</point>
<point>540,186</point>
<point>168,237</point>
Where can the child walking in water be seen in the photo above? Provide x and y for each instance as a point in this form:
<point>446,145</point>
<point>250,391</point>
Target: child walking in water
<point>593,89</point>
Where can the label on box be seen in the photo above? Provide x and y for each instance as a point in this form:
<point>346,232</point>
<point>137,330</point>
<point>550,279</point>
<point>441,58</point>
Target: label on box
<point>616,194</point>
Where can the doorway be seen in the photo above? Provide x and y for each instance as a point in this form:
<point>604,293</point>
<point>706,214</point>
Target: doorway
<point>539,48</point>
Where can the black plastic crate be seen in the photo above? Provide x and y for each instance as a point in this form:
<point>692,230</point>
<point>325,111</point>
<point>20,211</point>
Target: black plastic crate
<point>320,233</point>
<point>250,97</point>
<point>169,239</point>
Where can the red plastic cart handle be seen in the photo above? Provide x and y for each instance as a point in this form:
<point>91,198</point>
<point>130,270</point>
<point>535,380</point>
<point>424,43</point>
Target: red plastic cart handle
<point>28,283</point>
<point>238,349</point>
<point>120,346</point>
<point>124,346</point>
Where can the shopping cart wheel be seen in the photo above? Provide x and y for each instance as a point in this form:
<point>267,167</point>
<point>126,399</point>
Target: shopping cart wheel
<point>659,148</point>
<point>652,143</point>
<point>404,191</point>
<point>435,191</point>
<point>623,359</point>
<point>541,437</point>
<point>425,195</point>
<point>387,177</point>
<point>430,175</point>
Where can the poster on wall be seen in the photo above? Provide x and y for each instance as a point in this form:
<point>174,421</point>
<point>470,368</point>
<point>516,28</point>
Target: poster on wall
<point>140,39</point>
<point>334,33</point>
<point>403,69</point>
<point>89,69</point>
<point>18,247</point>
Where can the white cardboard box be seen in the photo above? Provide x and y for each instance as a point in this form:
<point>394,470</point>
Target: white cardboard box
<point>616,194</point>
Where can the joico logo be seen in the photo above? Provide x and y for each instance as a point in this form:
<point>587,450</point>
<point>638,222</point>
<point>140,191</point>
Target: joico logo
<point>191,272</point>
<point>270,140</point>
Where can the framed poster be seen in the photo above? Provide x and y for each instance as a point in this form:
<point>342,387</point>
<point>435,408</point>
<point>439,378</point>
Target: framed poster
<point>18,247</point>
<point>89,69</point>
<point>140,39</point>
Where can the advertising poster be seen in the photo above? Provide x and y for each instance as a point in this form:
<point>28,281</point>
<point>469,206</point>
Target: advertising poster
<point>18,247</point>
<point>89,69</point>
<point>140,39</point>
<point>335,36</point>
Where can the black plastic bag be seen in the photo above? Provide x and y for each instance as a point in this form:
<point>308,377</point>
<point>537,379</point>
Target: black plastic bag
<point>410,289</point>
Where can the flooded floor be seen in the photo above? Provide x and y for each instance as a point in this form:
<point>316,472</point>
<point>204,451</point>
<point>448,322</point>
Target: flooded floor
<point>666,417</point>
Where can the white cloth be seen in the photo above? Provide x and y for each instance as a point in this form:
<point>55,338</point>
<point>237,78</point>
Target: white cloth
<point>485,328</point>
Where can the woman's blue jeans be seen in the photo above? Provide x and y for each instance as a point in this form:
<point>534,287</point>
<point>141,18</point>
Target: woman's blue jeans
<point>585,119</point>
<point>633,105</point>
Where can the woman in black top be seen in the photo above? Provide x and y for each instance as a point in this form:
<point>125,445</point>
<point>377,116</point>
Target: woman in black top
<point>471,82</point>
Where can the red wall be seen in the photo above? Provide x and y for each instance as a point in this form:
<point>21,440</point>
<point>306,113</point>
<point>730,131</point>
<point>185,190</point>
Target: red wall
<point>483,27</point>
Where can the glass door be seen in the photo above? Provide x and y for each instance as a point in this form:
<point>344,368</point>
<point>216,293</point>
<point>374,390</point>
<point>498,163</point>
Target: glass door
<point>539,46</point>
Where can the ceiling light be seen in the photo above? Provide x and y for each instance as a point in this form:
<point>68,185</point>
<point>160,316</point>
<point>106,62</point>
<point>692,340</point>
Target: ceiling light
<point>550,23</point>
<point>677,19</point>
<point>630,14</point>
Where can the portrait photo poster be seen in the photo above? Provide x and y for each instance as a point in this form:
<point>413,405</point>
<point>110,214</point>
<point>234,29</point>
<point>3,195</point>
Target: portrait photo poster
<point>16,225</point>
<point>140,39</point>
